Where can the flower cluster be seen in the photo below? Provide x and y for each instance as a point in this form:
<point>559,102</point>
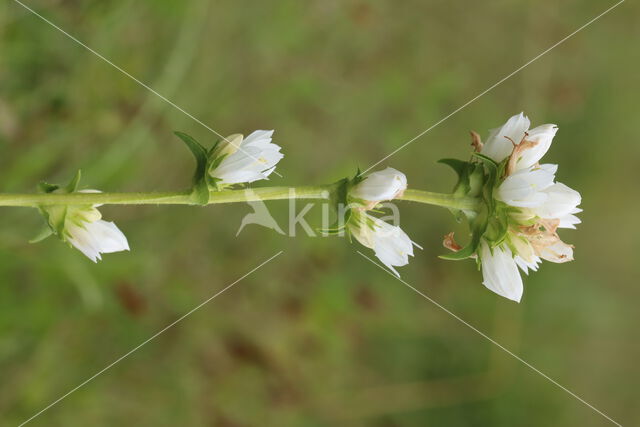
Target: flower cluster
<point>391,245</point>
<point>524,207</point>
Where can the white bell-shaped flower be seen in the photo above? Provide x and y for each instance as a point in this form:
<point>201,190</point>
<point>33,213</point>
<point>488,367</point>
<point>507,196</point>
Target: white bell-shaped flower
<point>391,245</point>
<point>95,238</point>
<point>247,160</point>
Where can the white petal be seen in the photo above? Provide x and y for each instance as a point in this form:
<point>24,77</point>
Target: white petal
<point>542,136</point>
<point>525,187</point>
<point>568,221</point>
<point>500,272</point>
<point>558,252</point>
<point>254,161</point>
<point>561,201</point>
<point>499,145</point>
<point>258,138</point>
<point>381,185</point>
<point>82,240</point>
<point>392,246</point>
<point>108,236</point>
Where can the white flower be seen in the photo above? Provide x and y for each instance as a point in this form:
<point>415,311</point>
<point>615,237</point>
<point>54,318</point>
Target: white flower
<point>382,185</point>
<point>95,238</point>
<point>247,160</point>
<point>500,272</point>
<point>391,245</point>
<point>499,145</point>
<point>87,232</point>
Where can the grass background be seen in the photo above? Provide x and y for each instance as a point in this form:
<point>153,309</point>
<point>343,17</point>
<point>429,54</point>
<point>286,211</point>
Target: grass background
<point>319,336</point>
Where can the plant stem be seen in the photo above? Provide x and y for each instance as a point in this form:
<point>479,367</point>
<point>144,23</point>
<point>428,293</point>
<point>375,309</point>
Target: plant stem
<point>439,199</point>
<point>166,198</point>
<point>224,196</point>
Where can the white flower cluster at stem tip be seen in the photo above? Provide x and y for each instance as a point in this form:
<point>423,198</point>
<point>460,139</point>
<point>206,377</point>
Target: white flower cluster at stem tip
<point>540,206</point>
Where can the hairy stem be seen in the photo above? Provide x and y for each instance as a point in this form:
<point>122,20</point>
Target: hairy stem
<point>226,196</point>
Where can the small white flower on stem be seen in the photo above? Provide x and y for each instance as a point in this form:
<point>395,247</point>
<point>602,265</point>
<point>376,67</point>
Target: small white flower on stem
<point>247,160</point>
<point>391,245</point>
<point>380,186</point>
<point>82,226</point>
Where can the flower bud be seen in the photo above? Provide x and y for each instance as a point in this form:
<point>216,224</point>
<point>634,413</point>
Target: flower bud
<point>379,186</point>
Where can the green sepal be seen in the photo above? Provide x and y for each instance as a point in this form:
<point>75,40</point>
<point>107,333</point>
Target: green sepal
<point>485,159</point>
<point>213,162</point>
<point>211,153</point>
<point>470,182</point>
<point>45,187</point>
<point>45,232</point>
<point>200,189</point>
<point>357,179</point>
<point>459,166</point>
<point>72,186</point>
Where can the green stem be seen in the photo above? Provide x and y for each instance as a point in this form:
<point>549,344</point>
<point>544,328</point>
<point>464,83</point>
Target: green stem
<point>226,196</point>
<point>439,199</point>
<point>166,198</point>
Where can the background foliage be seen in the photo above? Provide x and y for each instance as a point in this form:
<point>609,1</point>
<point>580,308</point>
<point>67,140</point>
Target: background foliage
<point>320,336</point>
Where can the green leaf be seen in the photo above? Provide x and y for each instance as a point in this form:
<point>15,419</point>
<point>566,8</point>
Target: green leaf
<point>200,189</point>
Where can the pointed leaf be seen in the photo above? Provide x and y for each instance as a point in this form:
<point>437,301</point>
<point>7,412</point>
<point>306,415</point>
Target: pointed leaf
<point>200,189</point>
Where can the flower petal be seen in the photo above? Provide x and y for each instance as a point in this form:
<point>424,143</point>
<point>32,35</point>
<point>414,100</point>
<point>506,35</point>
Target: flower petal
<point>541,136</point>
<point>561,201</point>
<point>499,144</point>
<point>500,272</point>
<point>525,187</point>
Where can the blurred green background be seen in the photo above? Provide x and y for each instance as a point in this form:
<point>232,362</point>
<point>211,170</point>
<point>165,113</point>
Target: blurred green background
<point>319,336</point>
